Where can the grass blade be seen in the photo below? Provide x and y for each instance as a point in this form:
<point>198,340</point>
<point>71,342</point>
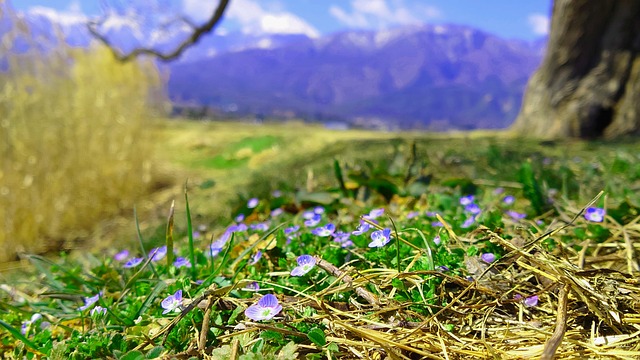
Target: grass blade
<point>18,335</point>
<point>192,254</point>
<point>169,235</point>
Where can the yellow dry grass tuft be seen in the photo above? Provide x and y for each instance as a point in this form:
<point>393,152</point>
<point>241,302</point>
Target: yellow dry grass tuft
<point>74,142</point>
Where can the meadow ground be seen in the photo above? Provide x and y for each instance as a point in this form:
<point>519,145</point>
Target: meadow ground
<point>301,242</point>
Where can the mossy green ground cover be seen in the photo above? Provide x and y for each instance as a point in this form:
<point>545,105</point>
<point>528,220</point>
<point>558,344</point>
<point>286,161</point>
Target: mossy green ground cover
<point>478,246</point>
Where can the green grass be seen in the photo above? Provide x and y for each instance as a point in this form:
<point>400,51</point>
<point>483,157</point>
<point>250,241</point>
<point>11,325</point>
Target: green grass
<point>424,293</point>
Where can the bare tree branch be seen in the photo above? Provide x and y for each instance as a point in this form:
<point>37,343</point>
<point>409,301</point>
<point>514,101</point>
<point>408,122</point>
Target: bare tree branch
<point>196,33</point>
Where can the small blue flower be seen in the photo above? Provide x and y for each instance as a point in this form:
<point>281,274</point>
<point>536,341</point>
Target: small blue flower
<point>437,240</point>
<point>468,222</point>
<point>88,301</point>
<point>236,228</point>
<point>172,303</point>
<point>181,262</point>
<point>508,200</point>
<point>531,301</point>
<point>266,308</point>
<point>466,200</point>
<point>133,262</point>
<point>254,286</point>
<point>472,208</point>
<point>263,226</point>
<point>291,230</point>
<point>305,264</point>
<point>252,203</point>
<point>216,247</point>
<point>437,224</point>
<point>516,215</point>
<point>276,212</point>
<point>324,231</point>
<point>412,214</point>
<point>594,214</point>
<point>315,220</point>
<point>276,193</point>
<point>375,213</point>
<point>122,255</point>
<point>239,218</point>
<point>488,257</point>
<point>98,311</point>
<point>255,258</point>
<point>343,239</point>
<point>380,238</point>
<point>318,210</point>
<point>362,228</point>
<point>26,325</point>
<point>157,254</point>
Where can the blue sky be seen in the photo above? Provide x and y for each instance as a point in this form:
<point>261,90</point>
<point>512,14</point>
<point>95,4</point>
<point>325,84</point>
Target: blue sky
<point>525,20</point>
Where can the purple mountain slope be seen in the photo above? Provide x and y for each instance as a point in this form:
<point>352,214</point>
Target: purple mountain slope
<point>436,77</point>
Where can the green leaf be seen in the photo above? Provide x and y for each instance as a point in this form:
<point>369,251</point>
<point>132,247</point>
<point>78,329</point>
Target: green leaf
<point>317,336</point>
<point>531,188</point>
<point>271,335</point>
<point>155,352</point>
<point>160,286</point>
<point>18,335</point>
<point>133,355</point>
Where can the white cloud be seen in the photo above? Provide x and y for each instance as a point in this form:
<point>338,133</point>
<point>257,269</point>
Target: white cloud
<point>199,10</point>
<point>253,18</point>
<point>380,14</point>
<point>64,18</point>
<point>539,24</point>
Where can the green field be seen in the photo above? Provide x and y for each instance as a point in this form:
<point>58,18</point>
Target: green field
<point>454,276</point>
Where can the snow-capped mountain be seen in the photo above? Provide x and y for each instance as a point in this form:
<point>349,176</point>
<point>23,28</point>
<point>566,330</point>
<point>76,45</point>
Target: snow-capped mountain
<point>428,76</point>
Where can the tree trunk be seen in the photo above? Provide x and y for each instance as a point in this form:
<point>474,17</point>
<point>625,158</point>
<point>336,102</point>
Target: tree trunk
<point>588,85</point>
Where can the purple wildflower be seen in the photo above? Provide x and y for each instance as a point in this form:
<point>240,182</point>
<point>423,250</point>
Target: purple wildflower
<point>468,222</point>
<point>27,324</point>
<point>466,200</point>
<point>498,191</point>
<point>305,264</point>
<point>437,224</point>
<point>516,215</point>
<point>488,257</point>
<point>436,240</point>
<point>252,203</point>
<point>157,254</point>
<point>276,212</point>
<point>594,214</point>
<point>291,230</point>
<point>412,214</point>
<point>380,238</point>
<point>318,210</point>
<point>122,255</point>
<point>342,238</point>
<point>375,213</point>
<point>98,311</point>
<point>324,231</point>
<point>315,220</point>
<point>509,199</point>
<point>472,208</point>
<point>254,286</point>
<point>133,262</point>
<point>172,302</point>
<point>239,218</point>
<point>255,258</point>
<point>531,301</point>
<point>266,308</point>
<point>263,226</point>
<point>181,262</point>
<point>362,228</point>
<point>88,301</point>
<point>276,193</point>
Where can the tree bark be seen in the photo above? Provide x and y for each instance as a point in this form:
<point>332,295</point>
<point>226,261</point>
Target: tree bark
<point>588,85</point>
